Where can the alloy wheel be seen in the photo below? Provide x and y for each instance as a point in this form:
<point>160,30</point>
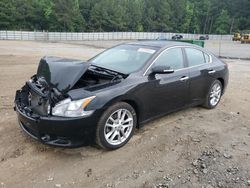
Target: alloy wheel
<point>118,127</point>
<point>215,94</point>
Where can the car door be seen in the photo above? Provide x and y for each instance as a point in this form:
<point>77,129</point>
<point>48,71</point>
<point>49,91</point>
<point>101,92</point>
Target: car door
<point>168,92</point>
<point>200,72</point>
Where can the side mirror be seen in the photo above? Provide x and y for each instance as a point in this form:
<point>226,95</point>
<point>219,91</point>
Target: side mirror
<point>162,70</point>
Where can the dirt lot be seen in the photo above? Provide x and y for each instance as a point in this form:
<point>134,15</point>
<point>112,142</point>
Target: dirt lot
<point>192,148</point>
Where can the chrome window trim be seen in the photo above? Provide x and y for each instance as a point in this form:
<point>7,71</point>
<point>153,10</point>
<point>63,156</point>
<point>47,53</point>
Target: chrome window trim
<point>210,58</point>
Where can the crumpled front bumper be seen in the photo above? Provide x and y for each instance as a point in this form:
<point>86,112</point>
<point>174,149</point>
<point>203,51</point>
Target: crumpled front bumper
<point>57,131</point>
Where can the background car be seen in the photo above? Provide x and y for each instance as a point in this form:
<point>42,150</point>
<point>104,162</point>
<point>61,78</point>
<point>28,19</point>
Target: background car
<point>106,98</point>
<point>204,37</point>
<point>177,37</point>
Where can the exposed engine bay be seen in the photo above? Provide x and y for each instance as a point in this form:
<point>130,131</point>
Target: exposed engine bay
<point>96,76</point>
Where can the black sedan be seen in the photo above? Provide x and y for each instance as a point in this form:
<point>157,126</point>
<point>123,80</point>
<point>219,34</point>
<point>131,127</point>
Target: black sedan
<point>205,37</point>
<point>177,37</point>
<point>71,102</point>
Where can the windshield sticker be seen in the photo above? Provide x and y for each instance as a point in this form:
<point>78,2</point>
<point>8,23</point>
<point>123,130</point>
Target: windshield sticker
<point>146,50</point>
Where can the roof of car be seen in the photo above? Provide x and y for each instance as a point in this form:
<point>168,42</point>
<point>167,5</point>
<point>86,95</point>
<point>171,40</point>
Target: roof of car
<point>160,43</point>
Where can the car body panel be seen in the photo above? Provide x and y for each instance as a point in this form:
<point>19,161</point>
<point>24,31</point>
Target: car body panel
<point>165,93</point>
<point>62,73</point>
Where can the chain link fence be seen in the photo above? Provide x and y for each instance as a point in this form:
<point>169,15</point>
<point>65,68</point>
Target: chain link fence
<point>220,45</point>
<point>70,36</point>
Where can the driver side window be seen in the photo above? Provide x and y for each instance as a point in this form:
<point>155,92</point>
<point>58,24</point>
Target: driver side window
<point>172,58</point>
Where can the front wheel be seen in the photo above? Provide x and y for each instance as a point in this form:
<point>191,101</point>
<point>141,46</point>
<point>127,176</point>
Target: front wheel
<point>214,95</point>
<point>116,126</point>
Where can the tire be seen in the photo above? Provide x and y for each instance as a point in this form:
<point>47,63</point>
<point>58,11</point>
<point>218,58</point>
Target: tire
<point>113,132</point>
<point>216,91</point>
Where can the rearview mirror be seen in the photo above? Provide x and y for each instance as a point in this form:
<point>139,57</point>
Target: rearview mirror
<point>162,70</point>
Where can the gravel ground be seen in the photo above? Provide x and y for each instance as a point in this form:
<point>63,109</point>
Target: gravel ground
<point>191,148</point>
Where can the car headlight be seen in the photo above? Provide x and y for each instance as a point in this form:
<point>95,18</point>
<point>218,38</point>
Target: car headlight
<point>69,108</point>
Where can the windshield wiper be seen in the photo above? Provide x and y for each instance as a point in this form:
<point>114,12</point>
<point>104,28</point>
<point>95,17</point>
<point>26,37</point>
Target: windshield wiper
<point>110,72</point>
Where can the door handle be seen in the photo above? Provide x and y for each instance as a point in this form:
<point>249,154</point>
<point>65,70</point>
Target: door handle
<point>211,71</point>
<point>184,78</point>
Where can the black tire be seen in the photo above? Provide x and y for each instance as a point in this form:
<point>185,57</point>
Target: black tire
<point>208,103</point>
<point>101,141</point>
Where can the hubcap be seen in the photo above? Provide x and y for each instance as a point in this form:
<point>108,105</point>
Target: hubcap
<point>215,94</point>
<point>118,127</point>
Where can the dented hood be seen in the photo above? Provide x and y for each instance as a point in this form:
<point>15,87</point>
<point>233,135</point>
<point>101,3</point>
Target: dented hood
<point>61,73</point>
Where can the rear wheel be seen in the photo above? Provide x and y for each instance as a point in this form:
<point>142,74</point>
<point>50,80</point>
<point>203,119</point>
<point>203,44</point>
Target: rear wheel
<point>116,126</point>
<point>214,95</point>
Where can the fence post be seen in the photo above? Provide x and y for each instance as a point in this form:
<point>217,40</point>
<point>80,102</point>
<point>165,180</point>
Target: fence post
<point>220,45</point>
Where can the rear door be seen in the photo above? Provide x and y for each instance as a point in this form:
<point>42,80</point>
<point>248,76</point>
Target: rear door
<point>200,73</point>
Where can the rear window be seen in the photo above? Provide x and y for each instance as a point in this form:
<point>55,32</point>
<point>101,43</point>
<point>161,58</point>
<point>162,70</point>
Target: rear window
<point>195,57</point>
<point>207,58</point>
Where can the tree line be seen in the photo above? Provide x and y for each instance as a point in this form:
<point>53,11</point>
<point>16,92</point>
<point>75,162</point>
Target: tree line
<point>184,16</point>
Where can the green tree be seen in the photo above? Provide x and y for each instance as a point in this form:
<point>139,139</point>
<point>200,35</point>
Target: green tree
<point>188,17</point>
<point>133,15</point>
<point>206,16</point>
<point>66,16</point>
<point>7,14</point>
<point>222,23</point>
<point>157,16</point>
<point>177,15</point>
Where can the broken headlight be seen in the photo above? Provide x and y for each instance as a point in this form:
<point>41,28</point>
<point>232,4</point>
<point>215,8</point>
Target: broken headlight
<point>69,108</point>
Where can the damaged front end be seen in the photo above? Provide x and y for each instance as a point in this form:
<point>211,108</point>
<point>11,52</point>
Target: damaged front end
<point>36,97</point>
<point>54,78</point>
<point>45,109</point>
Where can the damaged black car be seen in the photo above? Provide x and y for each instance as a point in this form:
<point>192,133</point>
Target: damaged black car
<point>71,102</point>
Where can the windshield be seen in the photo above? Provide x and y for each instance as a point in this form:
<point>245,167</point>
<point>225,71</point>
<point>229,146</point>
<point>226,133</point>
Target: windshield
<point>124,58</point>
